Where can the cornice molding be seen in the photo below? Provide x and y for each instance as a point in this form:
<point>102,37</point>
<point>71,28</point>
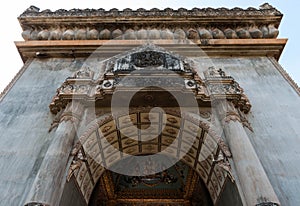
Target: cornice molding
<point>161,30</point>
<point>108,48</point>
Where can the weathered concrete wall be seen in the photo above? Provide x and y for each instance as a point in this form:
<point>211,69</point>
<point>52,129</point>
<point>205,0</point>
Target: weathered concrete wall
<point>275,118</point>
<point>25,120</point>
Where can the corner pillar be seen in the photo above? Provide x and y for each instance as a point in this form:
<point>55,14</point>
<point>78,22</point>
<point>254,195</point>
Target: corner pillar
<point>48,185</point>
<point>254,182</point>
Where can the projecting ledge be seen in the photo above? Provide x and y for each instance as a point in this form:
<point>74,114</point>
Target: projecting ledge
<point>189,48</point>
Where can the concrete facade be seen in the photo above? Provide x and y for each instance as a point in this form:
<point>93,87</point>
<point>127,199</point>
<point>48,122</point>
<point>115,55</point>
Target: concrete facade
<point>25,118</point>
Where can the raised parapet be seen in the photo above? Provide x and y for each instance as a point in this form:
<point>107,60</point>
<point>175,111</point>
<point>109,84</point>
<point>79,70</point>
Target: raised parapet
<point>91,24</point>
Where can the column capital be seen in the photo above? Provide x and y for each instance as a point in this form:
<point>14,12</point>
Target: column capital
<point>227,112</point>
<point>72,112</point>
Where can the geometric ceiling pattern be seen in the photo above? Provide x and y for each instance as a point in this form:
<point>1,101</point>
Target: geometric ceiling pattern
<point>104,144</point>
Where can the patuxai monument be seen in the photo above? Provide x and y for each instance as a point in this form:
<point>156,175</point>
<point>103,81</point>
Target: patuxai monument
<point>159,107</point>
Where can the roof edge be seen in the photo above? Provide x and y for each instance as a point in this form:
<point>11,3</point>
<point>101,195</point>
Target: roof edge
<point>264,9</point>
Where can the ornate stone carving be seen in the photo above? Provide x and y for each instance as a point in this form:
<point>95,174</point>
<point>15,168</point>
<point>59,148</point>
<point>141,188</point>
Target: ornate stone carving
<point>265,9</point>
<point>223,163</point>
<point>224,148</point>
<point>77,161</point>
<point>234,113</point>
<point>84,73</point>
<point>54,33</point>
<point>39,25</point>
<point>220,86</point>
<point>72,112</point>
<point>232,116</point>
<point>149,59</point>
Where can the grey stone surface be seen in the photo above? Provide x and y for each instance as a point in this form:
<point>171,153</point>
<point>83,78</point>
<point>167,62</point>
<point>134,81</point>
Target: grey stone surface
<point>24,122</point>
<point>254,182</point>
<point>25,119</point>
<point>275,118</point>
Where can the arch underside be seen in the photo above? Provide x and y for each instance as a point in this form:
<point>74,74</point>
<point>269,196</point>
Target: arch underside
<point>103,145</point>
<point>178,185</point>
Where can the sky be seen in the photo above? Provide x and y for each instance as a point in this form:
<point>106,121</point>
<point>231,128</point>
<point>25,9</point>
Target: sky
<point>11,62</point>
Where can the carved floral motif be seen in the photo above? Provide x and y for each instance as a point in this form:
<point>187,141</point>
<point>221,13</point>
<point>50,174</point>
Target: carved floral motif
<point>153,59</point>
<point>216,85</point>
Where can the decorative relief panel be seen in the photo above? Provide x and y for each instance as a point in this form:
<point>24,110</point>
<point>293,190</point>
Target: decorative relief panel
<point>149,59</point>
<point>151,70</point>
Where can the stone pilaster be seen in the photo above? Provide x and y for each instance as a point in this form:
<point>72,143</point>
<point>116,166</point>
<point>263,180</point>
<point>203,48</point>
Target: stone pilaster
<point>49,183</point>
<point>253,180</point>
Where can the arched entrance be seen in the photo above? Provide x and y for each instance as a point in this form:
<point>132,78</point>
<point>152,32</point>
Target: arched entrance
<point>108,138</point>
<point>101,144</point>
